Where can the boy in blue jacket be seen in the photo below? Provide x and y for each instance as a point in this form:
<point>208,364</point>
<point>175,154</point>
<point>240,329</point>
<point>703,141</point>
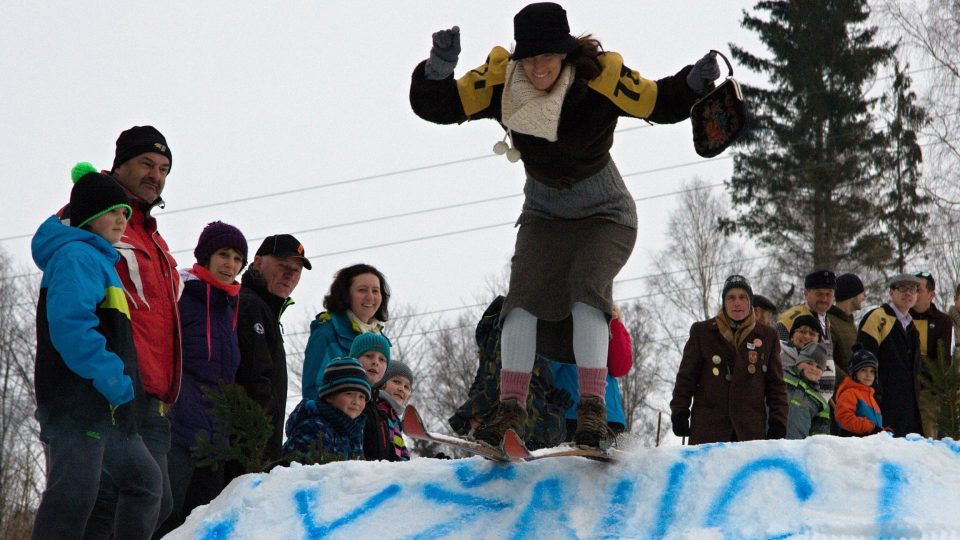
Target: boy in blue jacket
<point>331,426</point>
<point>86,374</point>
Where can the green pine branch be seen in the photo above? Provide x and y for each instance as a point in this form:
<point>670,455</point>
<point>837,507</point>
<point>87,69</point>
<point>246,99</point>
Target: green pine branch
<point>241,430</point>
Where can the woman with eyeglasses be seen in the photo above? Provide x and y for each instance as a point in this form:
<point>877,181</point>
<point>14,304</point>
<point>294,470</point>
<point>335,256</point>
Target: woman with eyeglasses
<point>731,372</point>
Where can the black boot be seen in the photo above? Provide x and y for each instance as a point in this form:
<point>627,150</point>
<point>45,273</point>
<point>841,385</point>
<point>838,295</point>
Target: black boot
<point>509,415</point>
<point>592,428</point>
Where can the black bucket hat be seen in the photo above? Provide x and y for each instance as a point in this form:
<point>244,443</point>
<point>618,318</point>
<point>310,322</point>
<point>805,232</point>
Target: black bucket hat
<point>542,28</point>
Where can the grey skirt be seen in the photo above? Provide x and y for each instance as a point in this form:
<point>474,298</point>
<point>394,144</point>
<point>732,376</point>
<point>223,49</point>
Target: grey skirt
<point>559,262</point>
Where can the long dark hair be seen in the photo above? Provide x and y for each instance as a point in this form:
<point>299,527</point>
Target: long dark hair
<point>338,299</point>
<point>584,57</point>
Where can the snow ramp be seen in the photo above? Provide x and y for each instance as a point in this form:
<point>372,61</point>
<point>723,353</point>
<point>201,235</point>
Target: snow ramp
<point>821,487</point>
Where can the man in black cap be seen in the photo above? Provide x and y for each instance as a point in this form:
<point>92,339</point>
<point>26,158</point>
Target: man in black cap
<point>818,290</point>
<point>764,310</point>
<point>890,334</point>
<point>264,295</point>
<point>936,339</point>
<point>149,275</point>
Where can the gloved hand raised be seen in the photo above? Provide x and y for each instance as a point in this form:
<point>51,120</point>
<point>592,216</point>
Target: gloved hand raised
<point>704,72</point>
<point>443,54</point>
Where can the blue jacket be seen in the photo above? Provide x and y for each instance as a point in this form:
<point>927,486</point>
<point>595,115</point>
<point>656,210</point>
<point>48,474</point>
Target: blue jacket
<point>86,361</point>
<point>210,355</point>
<point>316,426</point>
<point>331,335</point>
<point>565,376</point>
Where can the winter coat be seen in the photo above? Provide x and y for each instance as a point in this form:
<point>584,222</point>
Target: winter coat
<point>857,412</point>
<point>382,434</point>
<point>331,335</point>
<point>86,362</point>
<point>619,362</point>
<point>735,409</point>
<point>211,353</point>
<point>898,353</point>
<point>603,91</point>
<point>316,426</point>
<point>263,362</point>
<point>843,332</point>
<point>935,329</point>
<point>808,412</point>
<point>546,404</point>
<point>150,278</point>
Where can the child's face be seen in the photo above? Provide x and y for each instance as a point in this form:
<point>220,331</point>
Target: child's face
<point>398,387</point>
<point>803,335</point>
<point>866,376</point>
<point>374,363</point>
<point>225,264</point>
<point>110,225</point>
<point>810,371</point>
<point>350,402</point>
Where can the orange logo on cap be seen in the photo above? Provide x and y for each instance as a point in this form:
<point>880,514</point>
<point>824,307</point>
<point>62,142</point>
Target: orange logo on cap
<point>300,249</point>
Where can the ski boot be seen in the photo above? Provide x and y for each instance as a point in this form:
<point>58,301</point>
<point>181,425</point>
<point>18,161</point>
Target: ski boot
<point>592,429</point>
<point>508,415</point>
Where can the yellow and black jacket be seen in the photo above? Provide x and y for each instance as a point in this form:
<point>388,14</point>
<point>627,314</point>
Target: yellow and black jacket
<point>602,92</point>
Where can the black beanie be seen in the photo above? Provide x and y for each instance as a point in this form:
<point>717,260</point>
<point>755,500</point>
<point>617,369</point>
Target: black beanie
<point>860,359</point>
<point>848,286</point>
<point>806,320</point>
<point>542,28</point>
<point>94,194</point>
<point>820,279</point>
<point>140,140</point>
<point>736,281</point>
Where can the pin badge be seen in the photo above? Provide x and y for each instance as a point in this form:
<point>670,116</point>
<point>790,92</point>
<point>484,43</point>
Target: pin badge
<point>716,372</point>
<point>751,346</point>
<point>752,357</point>
<point>751,369</point>
<point>757,342</point>
<point>716,359</point>
<point>728,377</point>
<point>764,368</point>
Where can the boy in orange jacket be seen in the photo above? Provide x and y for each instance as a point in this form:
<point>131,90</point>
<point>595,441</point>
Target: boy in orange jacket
<point>857,412</point>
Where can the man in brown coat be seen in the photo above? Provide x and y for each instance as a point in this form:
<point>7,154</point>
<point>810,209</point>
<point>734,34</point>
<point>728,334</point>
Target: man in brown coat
<point>731,371</point>
<point>935,329</point>
<point>850,296</point>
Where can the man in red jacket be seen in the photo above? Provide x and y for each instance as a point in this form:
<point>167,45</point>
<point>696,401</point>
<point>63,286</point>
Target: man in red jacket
<point>150,279</point>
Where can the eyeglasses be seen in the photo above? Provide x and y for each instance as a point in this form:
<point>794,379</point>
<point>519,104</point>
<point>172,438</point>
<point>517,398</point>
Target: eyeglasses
<point>907,289</point>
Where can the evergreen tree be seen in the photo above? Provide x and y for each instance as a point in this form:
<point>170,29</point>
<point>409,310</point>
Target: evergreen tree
<point>904,214</point>
<point>242,429</point>
<point>805,179</point>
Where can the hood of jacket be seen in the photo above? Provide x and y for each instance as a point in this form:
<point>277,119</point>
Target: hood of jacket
<point>53,235</point>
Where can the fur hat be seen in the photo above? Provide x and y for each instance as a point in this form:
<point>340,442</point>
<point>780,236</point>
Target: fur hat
<point>140,140</point>
<point>848,286</point>
<point>397,369</point>
<point>806,320</point>
<point>542,28</point>
<point>343,375</point>
<point>94,194</point>
<point>370,341</point>
<point>860,359</point>
<point>217,235</point>
<point>820,279</point>
<point>736,281</point>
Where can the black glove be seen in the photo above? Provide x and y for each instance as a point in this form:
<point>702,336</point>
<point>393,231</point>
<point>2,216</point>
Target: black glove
<point>681,424</point>
<point>776,430</point>
<point>444,54</point>
<point>704,72</point>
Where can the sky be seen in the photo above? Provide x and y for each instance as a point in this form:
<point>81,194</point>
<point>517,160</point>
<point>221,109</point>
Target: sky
<point>821,487</point>
<point>294,117</point>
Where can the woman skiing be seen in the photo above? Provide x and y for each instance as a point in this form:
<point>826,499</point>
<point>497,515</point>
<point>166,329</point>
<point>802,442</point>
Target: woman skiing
<point>559,98</point>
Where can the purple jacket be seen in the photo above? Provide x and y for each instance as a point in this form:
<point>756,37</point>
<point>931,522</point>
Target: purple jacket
<point>210,353</point>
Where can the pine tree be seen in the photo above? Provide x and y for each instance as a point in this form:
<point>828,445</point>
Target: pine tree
<point>941,393</point>
<point>904,214</point>
<point>804,179</point>
<point>242,429</point>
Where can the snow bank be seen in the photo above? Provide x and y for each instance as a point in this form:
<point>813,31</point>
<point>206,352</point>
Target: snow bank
<point>822,487</point>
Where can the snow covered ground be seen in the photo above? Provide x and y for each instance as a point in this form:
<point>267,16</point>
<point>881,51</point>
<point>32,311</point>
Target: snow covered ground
<point>822,487</point>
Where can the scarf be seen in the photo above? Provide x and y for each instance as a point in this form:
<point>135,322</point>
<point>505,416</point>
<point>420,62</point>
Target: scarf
<point>373,326</point>
<point>525,109</point>
<point>733,331</point>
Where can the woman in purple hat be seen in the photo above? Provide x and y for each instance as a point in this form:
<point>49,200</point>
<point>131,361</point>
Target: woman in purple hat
<point>558,97</point>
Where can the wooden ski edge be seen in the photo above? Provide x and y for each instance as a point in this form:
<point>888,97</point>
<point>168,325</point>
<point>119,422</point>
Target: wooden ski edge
<point>413,426</point>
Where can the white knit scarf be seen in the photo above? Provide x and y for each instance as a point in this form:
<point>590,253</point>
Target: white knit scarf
<point>528,110</point>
